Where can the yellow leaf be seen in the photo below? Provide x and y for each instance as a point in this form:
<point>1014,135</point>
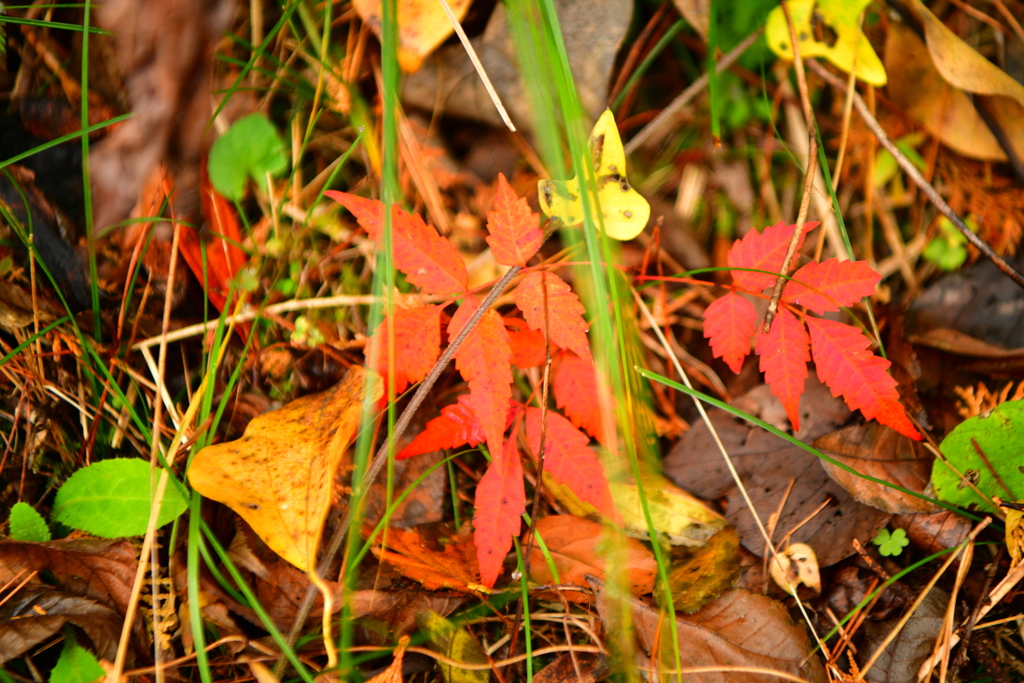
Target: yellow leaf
<point>422,26</point>
<point>846,44</point>
<point>278,476</point>
<point>624,212</point>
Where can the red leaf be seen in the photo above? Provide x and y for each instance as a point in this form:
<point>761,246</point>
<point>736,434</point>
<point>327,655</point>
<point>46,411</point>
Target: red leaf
<point>428,260</point>
<point>515,230</point>
<point>824,287</point>
<point>844,363</point>
<point>528,348</point>
<point>762,251</point>
<point>729,323</point>
<point>457,426</point>
<point>417,345</point>
<point>564,319</point>
<point>784,354</point>
<point>500,502</point>
<point>484,361</point>
<point>574,383</point>
<point>568,458</point>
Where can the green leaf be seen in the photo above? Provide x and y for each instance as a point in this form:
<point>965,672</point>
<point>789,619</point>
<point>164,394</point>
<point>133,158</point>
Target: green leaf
<point>76,665</point>
<point>250,148</point>
<point>28,525</point>
<point>999,435</point>
<point>891,544</point>
<point>111,498</point>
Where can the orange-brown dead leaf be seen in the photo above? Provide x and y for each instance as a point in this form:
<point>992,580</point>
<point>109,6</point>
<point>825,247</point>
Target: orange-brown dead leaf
<point>278,476</point>
<point>579,547</point>
<point>422,26</point>
<point>455,567</point>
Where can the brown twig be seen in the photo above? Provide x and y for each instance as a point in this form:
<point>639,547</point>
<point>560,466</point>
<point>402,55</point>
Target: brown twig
<point>381,459</point>
<point>812,160</point>
<point>927,188</point>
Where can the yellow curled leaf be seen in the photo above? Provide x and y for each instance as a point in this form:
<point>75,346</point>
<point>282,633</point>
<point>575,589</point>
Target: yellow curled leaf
<point>624,212</point>
<point>845,45</point>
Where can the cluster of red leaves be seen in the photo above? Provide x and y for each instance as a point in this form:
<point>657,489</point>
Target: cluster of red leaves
<point>485,358</point>
<point>841,353</point>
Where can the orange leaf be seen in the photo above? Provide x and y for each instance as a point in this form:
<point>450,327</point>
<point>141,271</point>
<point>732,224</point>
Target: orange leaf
<point>762,251</point>
<point>428,260</point>
<point>826,286</point>
<point>784,354</point>
<point>457,426</point>
<point>515,230</point>
<point>579,547</point>
<point>564,317</point>
<point>500,501</point>
<point>729,322</point>
<point>528,348</point>
<point>416,347</point>
<point>574,383</point>
<point>484,361</point>
<point>453,567</point>
<point>568,458</point>
<point>844,363</point>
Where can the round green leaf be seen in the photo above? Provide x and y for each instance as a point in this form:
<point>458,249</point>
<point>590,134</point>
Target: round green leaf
<point>28,525</point>
<point>250,148</point>
<point>999,435</point>
<point>111,499</point>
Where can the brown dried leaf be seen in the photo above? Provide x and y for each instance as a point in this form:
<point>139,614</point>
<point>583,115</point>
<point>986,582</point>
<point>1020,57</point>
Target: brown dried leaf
<point>914,642</point>
<point>738,629</point>
<point>827,516</point>
<point>579,547</point>
<point>37,612</point>
<point>884,454</point>
<point>934,531</point>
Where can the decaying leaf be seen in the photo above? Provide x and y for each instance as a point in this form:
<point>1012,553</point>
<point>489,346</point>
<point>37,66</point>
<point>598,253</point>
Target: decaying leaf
<point>454,566</point>
<point>679,517</point>
<point>794,566</point>
<point>422,26</point>
<point>457,644</point>
<point>910,646</point>
<point>738,629</point>
<point>579,547</point>
<point>696,576</point>
<point>278,476</point>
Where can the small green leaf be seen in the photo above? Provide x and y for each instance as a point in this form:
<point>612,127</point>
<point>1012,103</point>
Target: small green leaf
<point>891,544</point>
<point>986,450</point>
<point>76,665</point>
<point>28,525</point>
<point>250,148</point>
<point>111,499</point>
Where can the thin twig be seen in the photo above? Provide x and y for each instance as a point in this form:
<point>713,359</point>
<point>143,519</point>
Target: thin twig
<point>927,188</point>
<point>812,161</point>
<point>669,112</point>
<point>381,458</point>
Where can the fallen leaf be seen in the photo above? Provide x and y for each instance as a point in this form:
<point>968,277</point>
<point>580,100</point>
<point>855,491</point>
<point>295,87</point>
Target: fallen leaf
<point>422,26</point>
<point>455,643</point>
<point>679,517</point>
<point>738,629</point>
<point>571,667</point>
<point>393,674</point>
<point>793,566</point>
<point>910,646</point>
<point>579,547</point>
<point>37,612</point>
<point>698,575</point>
<point>278,476</point>
<point>767,465</point>
<point>454,566</point>
<point>882,453</point>
<point>933,532</point>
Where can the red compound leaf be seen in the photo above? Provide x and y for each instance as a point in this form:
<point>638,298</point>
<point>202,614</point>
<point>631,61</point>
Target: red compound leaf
<point>457,426</point>
<point>784,353</point>
<point>500,502</point>
<point>762,251</point>
<point>564,319</point>
<point>569,460</point>
<point>417,345</point>
<point>484,361</point>
<point>428,260</point>
<point>850,370</point>
<point>515,230</point>
<point>574,384</point>
<point>729,324</point>
<point>827,286</point>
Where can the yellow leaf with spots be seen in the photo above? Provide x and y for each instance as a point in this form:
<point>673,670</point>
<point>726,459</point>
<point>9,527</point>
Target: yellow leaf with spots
<point>278,476</point>
<point>624,212</point>
<point>422,26</point>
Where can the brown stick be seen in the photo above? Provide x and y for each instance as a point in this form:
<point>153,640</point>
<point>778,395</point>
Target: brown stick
<point>812,160</point>
<point>929,191</point>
